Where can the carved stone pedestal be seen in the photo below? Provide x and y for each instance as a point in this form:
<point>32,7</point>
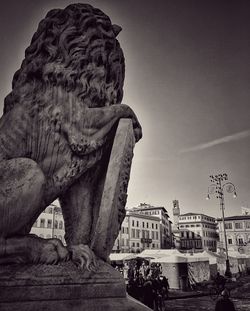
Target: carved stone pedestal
<point>64,287</point>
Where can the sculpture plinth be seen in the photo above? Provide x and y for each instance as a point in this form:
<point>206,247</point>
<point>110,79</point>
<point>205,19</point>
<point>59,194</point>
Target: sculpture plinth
<point>63,287</point>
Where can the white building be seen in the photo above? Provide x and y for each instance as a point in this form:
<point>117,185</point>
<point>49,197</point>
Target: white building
<point>138,232</point>
<point>50,224</point>
<point>165,223</point>
<point>194,231</point>
<point>237,233</point>
<point>198,231</point>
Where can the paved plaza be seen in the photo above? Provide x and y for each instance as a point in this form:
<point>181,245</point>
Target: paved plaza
<point>204,303</point>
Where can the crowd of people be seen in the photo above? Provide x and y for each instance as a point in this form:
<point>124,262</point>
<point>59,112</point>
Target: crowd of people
<point>146,283</point>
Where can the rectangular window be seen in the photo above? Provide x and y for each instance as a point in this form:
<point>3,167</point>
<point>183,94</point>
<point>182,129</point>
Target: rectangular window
<point>152,225</point>
<point>238,225</point>
<point>248,224</point>
<point>133,223</point>
<point>137,233</point>
<point>143,233</point>
<point>137,223</point>
<point>147,224</point>
<point>230,241</point>
<point>133,233</point>
<point>156,235</point>
<point>49,223</point>
<point>42,223</point>
<point>156,226</point>
<point>228,225</point>
<point>143,224</point>
<point>153,235</point>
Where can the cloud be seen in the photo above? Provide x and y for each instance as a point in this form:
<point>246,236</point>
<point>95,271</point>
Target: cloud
<point>219,141</point>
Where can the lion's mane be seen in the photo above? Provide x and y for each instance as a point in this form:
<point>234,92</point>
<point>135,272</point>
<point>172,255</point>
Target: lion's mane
<point>75,49</point>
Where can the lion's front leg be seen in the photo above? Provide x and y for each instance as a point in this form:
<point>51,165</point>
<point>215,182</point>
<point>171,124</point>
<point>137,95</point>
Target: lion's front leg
<point>80,209</point>
<point>83,256</point>
<point>89,128</point>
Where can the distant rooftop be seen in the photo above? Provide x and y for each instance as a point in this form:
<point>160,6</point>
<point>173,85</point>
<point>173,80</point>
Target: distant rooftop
<point>194,214</point>
<point>145,206</point>
<point>134,214</point>
<point>237,217</point>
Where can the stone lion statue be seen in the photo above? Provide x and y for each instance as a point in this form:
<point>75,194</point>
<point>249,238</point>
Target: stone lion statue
<point>55,130</point>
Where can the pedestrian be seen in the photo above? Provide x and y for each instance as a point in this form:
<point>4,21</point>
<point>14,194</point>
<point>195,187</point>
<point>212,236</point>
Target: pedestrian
<point>224,303</point>
<point>220,281</point>
<point>165,285</point>
<point>139,283</point>
<point>148,295</point>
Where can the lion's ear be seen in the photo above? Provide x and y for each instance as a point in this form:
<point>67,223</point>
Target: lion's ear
<point>117,29</point>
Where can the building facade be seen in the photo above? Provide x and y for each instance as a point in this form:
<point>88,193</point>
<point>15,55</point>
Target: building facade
<point>198,231</point>
<point>165,222</point>
<point>237,233</point>
<point>194,231</point>
<point>50,224</point>
<point>138,232</point>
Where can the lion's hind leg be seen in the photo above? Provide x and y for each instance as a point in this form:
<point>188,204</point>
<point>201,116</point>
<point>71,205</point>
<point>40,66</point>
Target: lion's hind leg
<point>21,195</point>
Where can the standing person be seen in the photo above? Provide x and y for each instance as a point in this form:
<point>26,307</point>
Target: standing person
<point>155,291</point>
<point>148,295</point>
<point>224,303</point>
<point>140,283</point>
<point>220,281</point>
<point>165,285</point>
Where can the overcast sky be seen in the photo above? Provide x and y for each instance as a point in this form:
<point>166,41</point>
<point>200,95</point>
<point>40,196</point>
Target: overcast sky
<point>187,78</point>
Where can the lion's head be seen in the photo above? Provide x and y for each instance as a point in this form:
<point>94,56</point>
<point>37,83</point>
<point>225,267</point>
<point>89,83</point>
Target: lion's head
<point>75,49</point>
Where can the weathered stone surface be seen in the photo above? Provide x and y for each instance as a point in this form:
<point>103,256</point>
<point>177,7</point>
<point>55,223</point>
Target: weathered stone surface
<point>114,196</point>
<point>63,287</point>
<point>56,134</point>
<point>58,139</point>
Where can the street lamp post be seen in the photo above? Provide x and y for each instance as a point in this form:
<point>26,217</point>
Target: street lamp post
<point>217,187</point>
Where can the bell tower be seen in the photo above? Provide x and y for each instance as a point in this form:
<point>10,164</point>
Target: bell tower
<point>176,213</point>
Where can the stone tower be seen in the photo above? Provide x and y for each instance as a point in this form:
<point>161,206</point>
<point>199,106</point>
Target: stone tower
<point>176,213</point>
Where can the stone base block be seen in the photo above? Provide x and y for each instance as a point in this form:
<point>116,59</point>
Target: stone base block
<point>64,287</point>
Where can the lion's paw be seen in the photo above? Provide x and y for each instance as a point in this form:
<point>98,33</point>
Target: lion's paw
<point>48,251</point>
<point>83,257</point>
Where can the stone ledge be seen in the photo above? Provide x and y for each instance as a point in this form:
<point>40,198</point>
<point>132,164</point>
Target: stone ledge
<point>64,287</point>
<point>101,304</point>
